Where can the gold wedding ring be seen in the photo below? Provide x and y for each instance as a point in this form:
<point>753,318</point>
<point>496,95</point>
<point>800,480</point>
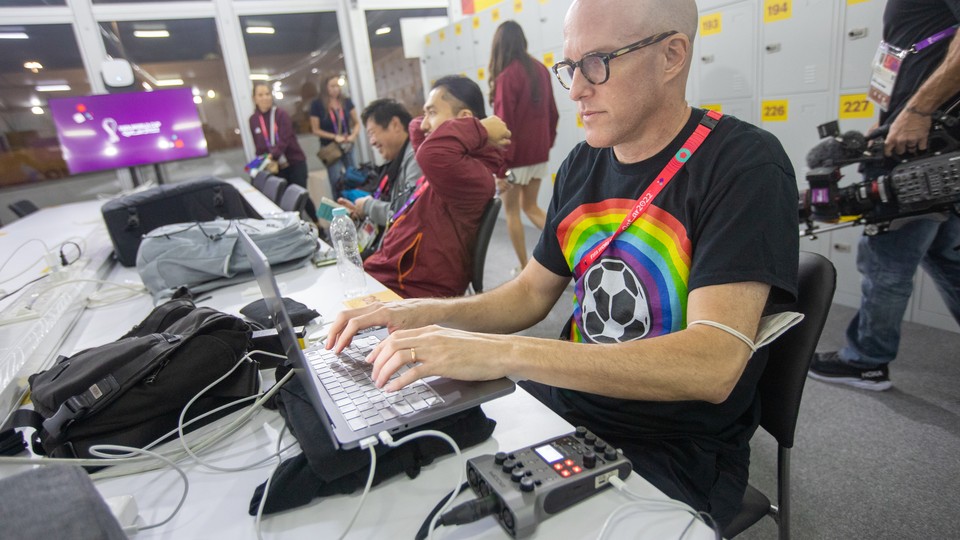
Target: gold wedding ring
<point>413,355</point>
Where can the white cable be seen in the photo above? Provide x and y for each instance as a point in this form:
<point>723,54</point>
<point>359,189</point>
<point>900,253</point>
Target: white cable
<point>46,250</point>
<point>266,486</point>
<point>101,451</point>
<point>370,444</point>
<point>650,504</point>
<point>387,439</point>
<point>183,413</point>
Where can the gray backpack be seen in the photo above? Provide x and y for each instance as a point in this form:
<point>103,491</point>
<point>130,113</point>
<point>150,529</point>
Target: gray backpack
<point>205,256</point>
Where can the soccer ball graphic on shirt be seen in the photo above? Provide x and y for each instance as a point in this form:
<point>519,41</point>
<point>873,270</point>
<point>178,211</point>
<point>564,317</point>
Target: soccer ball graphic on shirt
<point>614,308</point>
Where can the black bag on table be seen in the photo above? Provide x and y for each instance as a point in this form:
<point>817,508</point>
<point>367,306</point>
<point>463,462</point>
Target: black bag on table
<point>130,392</point>
<point>129,217</point>
<point>321,471</point>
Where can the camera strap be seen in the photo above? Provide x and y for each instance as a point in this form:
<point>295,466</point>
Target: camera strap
<point>707,123</point>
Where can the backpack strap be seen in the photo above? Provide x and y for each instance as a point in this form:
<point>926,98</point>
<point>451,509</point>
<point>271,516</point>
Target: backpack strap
<point>11,440</point>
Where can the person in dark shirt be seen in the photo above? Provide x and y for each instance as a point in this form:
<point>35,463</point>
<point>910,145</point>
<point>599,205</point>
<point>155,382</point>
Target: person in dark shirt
<point>669,288</point>
<point>333,118</point>
<point>927,85</point>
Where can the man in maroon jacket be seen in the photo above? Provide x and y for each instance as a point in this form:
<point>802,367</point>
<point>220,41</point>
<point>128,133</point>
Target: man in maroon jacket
<point>428,247</point>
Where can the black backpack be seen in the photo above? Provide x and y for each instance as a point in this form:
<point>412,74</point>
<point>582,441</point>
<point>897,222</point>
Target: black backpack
<point>131,391</point>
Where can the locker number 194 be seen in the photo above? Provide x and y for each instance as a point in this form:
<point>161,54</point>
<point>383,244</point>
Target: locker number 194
<point>777,10</point>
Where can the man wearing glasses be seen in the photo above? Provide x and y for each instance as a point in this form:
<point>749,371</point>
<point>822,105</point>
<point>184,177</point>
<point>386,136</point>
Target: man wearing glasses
<point>674,251</point>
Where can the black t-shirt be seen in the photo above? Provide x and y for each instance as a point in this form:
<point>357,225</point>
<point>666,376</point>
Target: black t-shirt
<point>335,121</point>
<point>906,22</point>
<point>728,216</point>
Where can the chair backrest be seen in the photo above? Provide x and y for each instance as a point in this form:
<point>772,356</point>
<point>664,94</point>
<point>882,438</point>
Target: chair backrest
<point>260,179</point>
<point>294,199</point>
<point>781,384</point>
<point>274,188</point>
<point>487,221</point>
<point>23,207</point>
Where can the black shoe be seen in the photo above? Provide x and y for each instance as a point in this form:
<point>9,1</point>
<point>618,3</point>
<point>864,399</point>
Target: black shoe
<point>828,367</point>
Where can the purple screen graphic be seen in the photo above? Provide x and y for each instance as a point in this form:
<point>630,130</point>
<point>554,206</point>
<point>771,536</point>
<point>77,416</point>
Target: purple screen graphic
<point>112,131</point>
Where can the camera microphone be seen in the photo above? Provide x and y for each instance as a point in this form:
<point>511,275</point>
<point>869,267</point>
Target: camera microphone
<point>835,151</point>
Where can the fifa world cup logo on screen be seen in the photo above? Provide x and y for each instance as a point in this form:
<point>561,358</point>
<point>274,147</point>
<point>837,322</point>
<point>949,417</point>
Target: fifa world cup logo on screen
<point>110,126</point>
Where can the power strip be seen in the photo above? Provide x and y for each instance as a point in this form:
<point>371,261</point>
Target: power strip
<point>42,297</point>
<point>533,483</point>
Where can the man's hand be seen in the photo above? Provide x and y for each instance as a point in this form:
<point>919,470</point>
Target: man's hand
<point>497,132</point>
<point>908,134</point>
<point>503,185</point>
<point>398,315</point>
<point>437,351</point>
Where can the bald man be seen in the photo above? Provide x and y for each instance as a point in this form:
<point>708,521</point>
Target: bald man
<point>715,244</point>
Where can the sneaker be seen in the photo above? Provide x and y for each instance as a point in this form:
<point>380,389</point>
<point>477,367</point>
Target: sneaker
<point>828,367</point>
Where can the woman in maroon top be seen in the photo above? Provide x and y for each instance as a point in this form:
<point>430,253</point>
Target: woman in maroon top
<point>273,133</point>
<point>522,95</point>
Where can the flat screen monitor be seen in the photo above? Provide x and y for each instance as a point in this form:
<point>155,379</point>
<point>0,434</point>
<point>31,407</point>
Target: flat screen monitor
<point>112,131</point>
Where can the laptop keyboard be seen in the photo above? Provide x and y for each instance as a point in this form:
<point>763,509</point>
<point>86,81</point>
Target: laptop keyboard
<point>347,378</point>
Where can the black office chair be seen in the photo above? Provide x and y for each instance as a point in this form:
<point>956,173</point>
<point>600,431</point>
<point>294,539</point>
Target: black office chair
<point>274,187</point>
<point>260,179</point>
<point>294,199</point>
<point>781,387</point>
<point>487,221</point>
<point>23,207</point>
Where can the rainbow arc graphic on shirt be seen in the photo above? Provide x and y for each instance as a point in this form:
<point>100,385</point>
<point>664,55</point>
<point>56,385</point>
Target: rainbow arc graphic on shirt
<point>655,247</point>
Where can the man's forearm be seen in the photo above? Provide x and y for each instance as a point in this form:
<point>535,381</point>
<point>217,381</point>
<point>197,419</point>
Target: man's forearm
<point>942,84</point>
<point>510,308</point>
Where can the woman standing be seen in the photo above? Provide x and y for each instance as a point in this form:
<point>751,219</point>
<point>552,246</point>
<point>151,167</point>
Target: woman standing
<point>273,133</point>
<point>333,118</point>
<point>522,95</point>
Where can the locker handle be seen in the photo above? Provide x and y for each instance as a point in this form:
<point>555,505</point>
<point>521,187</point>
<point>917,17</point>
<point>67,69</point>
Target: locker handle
<point>707,59</point>
<point>857,33</point>
<point>773,48</point>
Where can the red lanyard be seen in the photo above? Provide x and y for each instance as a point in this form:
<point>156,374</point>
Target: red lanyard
<point>707,123</point>
<point>422,185</point>
<point>383,184</point>
<point>272,138</point>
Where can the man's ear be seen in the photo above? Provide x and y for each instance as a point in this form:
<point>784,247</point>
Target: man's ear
<point>395,125</point>
<point>464,113</point>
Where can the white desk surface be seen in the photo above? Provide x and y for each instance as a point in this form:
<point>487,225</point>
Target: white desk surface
<point>217,504</point>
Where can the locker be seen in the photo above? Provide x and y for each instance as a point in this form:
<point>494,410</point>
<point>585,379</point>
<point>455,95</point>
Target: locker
<point>527,14</point>
<point>862,31</point>
<point>796,45</point>
<point>744,109</point>
<point>928,307</point>
<point>552,14</point>
<point>727,61</point>
<point>794,119</point>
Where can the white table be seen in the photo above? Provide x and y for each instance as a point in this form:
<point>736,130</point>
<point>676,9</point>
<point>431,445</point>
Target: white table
<point>217,503</point>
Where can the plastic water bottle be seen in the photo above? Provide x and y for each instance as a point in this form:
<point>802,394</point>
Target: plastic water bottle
<point>343,234</point>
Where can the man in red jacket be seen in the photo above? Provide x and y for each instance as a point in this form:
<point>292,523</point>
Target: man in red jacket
<point>428,247</point>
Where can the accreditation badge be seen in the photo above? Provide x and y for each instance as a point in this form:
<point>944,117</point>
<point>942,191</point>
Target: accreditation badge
<point>886,66</point>
<point>366,234</point>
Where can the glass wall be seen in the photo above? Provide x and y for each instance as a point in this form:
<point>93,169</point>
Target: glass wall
<point>179,53</point>
<point>396,76</point>
<point>292,52</point>
<point>37,62</point>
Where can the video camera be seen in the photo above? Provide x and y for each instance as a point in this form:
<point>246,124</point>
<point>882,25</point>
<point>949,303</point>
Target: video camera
<point>893,189</point>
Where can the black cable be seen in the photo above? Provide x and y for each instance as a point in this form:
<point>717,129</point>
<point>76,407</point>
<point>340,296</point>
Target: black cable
<point>20,288</point>
<point>471,511</point>
<point>63,256</point>
<point>425,528</point>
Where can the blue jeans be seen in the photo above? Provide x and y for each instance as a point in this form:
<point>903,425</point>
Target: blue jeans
<point>335,171</point>
<point>888,263</point>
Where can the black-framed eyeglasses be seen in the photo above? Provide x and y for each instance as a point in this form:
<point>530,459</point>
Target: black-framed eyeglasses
<point>595,66</point>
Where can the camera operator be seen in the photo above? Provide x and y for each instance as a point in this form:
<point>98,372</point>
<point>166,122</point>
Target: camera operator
<point>917,75</point>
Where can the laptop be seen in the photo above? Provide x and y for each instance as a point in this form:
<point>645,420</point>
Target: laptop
<point>350,407</point>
